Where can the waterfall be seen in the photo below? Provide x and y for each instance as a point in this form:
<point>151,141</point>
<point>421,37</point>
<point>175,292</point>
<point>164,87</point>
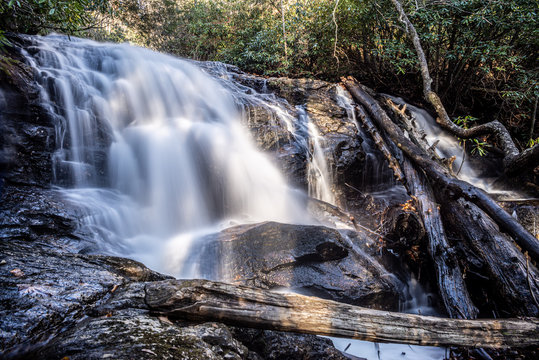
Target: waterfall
<point>152,149</point>
<point>319,175</point>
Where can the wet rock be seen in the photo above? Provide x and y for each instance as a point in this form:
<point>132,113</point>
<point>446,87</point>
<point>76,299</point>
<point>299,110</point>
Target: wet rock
<point>53,289</point>
<point>26,133</point>
<point>280,345</point>
<point>308,259</point>
<point>132,334</point>
<point>320,100</point>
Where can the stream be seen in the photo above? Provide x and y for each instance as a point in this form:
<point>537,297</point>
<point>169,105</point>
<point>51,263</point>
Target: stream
<point>155,152</point>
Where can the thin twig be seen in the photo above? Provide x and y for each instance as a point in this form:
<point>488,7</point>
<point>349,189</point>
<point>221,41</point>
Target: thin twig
<point>533,118</point>
<point>463,158</point>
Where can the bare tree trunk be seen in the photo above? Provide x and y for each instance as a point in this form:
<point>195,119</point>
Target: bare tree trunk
<point>449,185</point>
<point>284,32</point>
<point>203,300</point>
<point>514,161</point>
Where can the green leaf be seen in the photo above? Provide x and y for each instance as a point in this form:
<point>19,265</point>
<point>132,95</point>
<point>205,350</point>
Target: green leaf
<point>51,12</point>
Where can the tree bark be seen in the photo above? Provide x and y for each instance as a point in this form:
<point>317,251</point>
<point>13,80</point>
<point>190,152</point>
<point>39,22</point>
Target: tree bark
<point>451,286</point>
<point>203,300</point>
<point>514,161</point>
<point>446,183</point>
<point>379,142</point>
<point>512,282</point>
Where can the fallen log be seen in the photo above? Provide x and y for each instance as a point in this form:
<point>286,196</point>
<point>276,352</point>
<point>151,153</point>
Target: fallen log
<point>203,300</point>
<point>453,187</point>
<point>451,286</point>
<point>450,280</point>
<point>500,266</point>
<point>379,142</point>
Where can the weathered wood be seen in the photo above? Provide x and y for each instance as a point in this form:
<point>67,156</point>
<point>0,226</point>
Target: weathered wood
<point>452,186</point>
<point>403,227</point>
<point>511,281</point>
<point>379,142</point>
<point>203,300</point>
<point>451,286</point>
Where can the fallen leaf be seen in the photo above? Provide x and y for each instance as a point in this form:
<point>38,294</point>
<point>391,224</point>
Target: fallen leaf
<point>17,272</point>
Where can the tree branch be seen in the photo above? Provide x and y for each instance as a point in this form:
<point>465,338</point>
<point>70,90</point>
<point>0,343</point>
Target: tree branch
<point>514,161</point>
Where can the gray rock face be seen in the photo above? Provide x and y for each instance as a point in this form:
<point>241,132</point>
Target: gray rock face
<point>43,291</point>
<point>312,259</point>
<point>319,100</point>
<point>57,301</point>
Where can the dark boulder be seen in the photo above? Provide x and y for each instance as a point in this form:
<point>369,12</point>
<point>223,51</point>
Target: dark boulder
<point>308,259</point>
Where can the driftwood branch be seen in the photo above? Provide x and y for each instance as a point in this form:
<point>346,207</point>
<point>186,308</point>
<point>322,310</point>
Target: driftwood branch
<point>451,186</point>
<point>203,300</point>
<point>514,161</point>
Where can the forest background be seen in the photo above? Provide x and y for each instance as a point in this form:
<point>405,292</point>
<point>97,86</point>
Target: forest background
<point>482,54</point>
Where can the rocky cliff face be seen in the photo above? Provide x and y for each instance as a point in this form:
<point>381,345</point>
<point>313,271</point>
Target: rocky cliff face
<point>52,291</point>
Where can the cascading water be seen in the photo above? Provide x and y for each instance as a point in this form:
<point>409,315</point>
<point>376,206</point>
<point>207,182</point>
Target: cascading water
<point>377,178</point>
<point>151,149</point>
<point>179,162</point>
<point>447,145</point>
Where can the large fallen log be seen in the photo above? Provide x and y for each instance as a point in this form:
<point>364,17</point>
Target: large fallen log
<point>452,186</point>
<point>450,280</point>
<point>203,300</point>
<point>494,260</point>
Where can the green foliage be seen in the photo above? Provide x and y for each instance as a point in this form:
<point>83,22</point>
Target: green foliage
<point>483,54</point>
<point>479,147</point>
<point>34,16</point>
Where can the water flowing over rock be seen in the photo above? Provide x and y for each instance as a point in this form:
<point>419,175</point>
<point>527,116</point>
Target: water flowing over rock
<point>109,149</point>
<point>272,255</point>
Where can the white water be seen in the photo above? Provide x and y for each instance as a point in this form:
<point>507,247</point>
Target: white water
<point>447,145</point>
<point>180,162</point>
<point>180,165</point>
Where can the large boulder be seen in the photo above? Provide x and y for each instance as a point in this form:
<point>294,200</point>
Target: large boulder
<point>55,305</point>
<point>305,258</point>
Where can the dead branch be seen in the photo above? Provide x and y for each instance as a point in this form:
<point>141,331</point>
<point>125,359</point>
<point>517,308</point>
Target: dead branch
<point>203,300</point>
<point>514,161</point>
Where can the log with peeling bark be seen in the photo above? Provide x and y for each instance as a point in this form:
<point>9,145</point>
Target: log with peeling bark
<point>203,300</point>
<point>440,176</point>
<point>450,280</point>
<point>494,260</point>
<point>451,286</point>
